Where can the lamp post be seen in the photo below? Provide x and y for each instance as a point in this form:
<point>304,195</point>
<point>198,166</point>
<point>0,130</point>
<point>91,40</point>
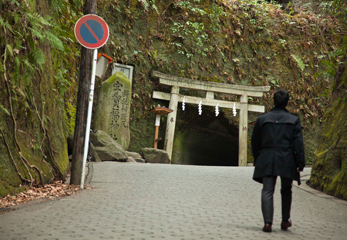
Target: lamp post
<point>159,111</point>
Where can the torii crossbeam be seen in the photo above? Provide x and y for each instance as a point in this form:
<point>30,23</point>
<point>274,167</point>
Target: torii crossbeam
<point>243,91</point>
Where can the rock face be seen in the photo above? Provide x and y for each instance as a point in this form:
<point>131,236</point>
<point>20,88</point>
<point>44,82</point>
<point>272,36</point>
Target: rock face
<point>329,169</point>
<point>113,108</point>
<point>33,145</point>
<point>251,54</point>
<point>107,148</point>
<point>153,155</point>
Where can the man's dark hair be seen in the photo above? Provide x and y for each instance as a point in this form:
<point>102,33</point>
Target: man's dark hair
<point>281,98</point>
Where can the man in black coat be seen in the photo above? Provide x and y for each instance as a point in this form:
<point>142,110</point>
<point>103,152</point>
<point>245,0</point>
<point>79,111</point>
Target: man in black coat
<point>278,150</point>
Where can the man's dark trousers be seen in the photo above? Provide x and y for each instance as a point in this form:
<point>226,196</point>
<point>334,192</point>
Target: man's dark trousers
<point>267,204</point>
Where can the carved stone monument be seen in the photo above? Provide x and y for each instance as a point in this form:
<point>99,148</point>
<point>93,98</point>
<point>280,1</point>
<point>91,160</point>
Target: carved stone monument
<point>113,108</point>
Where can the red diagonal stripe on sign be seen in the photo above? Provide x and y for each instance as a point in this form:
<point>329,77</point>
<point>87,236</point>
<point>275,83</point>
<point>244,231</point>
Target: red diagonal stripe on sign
<point>89,28</point>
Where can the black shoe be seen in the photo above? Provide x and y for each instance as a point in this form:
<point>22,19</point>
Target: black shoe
<point>267,228</point>
<point>286,225</point>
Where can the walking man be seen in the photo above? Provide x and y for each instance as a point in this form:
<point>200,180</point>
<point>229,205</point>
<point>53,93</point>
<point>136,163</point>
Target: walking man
<point>278,150</point>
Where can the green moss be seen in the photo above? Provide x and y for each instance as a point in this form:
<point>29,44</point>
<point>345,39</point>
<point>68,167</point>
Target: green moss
<point>142,133</point>
<point>329,169</point>
<point>38,112</point>
<point>179,148</point>
<point>9,179</point>
<point>6,189</point>
<point>70,118</point>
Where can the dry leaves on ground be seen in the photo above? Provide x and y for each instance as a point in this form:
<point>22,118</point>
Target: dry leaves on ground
<point>50,191</point>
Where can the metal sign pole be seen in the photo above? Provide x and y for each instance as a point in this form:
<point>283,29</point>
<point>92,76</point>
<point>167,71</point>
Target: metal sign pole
<point>89,117</point>
<point>92,32</point>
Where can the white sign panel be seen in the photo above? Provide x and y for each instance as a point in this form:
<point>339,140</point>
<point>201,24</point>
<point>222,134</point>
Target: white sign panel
<point>126,69</point>
<point>101,67</point>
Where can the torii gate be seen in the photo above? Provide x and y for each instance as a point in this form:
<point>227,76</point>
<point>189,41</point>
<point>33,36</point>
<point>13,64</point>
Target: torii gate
<point>210,88</point>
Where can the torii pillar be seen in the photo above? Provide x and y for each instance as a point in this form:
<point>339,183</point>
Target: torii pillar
<point>243,130</point>
<point>171,121</point>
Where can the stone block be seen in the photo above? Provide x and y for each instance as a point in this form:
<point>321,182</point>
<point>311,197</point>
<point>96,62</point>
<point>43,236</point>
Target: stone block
<point>107,148</point>
<point>153,155</point>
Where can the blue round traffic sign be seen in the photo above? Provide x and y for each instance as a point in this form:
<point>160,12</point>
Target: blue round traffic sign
<point>91,31</point>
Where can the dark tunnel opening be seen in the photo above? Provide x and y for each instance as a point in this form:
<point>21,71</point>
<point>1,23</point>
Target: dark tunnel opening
<point>205,139</point>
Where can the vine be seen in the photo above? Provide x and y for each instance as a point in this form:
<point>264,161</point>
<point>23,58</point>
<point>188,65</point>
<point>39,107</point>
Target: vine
<point>24,160</point>
<point>14,163</point>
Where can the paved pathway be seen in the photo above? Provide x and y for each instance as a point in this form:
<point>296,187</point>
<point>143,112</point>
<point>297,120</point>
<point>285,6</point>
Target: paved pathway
<point>152,201</point>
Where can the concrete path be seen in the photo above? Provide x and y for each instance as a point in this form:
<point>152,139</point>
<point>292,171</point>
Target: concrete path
<point>152,201</point>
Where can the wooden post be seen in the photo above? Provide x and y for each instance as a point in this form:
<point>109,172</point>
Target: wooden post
<point>171,121</point>
<point>243,130</point>
<point>156,136</point>
<point>82,104</point>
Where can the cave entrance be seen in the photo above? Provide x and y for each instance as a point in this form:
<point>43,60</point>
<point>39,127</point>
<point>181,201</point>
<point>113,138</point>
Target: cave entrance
<point>210,88</point>
<point>205,140</point>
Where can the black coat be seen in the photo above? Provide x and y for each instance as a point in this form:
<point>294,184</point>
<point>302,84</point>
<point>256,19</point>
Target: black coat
<point>277,145</point>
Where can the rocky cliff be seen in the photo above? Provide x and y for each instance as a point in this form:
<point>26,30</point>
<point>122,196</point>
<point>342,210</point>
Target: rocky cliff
<point>236,42</point>
<point>34,92</point>
<point>329,169</point>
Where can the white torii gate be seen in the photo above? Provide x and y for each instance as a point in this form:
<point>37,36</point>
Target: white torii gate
<point>210,88</point>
